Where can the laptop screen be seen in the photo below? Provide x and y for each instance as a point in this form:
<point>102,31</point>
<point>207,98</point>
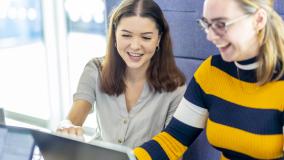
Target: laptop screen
<point>55,147</point>
<point>15,143</point>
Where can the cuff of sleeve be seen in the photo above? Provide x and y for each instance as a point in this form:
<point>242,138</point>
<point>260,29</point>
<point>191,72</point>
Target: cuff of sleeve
<point>66,123</point>
<point>141,154</point>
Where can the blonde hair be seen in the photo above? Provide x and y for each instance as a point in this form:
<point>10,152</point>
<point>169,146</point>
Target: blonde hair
<point>271,41</point>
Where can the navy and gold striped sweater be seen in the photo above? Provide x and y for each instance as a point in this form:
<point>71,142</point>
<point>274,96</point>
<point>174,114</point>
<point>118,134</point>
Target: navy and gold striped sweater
<point>243,120</point>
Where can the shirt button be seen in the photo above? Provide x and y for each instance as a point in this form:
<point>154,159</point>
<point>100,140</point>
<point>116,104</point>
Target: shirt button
<point>119,141</point>
<point>125,121</point>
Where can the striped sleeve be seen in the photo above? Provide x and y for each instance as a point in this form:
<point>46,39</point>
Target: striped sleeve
<point>169,144</point>
<point>192,109</point>
<point>186,124</point>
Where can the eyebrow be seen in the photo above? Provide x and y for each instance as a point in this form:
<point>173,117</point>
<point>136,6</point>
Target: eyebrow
<point>124,30</point>
<point>215,19</point>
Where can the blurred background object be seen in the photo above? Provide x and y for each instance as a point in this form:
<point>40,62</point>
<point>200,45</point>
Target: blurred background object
<point>44,45</point>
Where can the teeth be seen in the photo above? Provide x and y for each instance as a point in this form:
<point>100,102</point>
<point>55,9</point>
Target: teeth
<point>221,46</point>
<point>135,54</point>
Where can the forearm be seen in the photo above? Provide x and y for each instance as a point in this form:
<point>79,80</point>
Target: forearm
<point>186,124</point>
<point>170,144</point>
<point>79,112</point>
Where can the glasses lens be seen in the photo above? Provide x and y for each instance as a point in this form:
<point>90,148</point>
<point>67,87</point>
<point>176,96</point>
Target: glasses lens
<point>219,27</point>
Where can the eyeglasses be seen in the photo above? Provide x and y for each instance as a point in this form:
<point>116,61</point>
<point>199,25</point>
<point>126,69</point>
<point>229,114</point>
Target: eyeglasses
<point>219,27</point>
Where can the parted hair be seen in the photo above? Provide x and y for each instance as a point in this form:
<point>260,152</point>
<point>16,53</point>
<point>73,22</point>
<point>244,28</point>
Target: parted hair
<point>271,40</point>
<point>162,73</point>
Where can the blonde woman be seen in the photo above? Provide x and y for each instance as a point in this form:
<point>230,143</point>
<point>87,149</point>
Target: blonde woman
<point>238,96</point>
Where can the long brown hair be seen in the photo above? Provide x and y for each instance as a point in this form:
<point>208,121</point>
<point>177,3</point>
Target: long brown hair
<point>271,40</point>
<point>162,74</point>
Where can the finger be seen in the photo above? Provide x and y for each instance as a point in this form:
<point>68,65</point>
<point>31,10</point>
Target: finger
<point>63,132</point>
<point>72,131</point>
<point>79,131</point>
<point>58,130</point>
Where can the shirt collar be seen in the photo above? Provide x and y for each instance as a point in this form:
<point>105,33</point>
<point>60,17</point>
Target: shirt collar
<point>249,64</point>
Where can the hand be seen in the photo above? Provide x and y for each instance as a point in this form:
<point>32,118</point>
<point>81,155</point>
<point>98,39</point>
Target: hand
<point>67,129</point>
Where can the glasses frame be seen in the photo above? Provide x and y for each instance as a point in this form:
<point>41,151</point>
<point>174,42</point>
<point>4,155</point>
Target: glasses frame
<point>205,25</point>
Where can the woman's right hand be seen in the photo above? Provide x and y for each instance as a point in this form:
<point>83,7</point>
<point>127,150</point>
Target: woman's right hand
<point>77,115</point>
<point>67,129</point>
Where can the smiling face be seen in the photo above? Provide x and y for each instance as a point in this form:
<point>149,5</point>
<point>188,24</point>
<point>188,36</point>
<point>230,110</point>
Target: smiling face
<point>240,40</point>
<point>136,40</point>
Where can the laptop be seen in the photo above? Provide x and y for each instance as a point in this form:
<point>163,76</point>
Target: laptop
<point>18,143</point>
<point>56,147</point>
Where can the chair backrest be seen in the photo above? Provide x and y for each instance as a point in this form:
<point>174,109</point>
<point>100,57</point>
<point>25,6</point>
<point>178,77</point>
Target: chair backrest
<point>279,7</point>
<point>189,41</point>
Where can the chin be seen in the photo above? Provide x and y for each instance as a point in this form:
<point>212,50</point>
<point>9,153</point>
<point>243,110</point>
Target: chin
<point>228,57</point>
<point>228,60</point>
<point>133,66</point>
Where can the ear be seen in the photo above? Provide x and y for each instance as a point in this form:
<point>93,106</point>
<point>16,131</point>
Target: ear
<point>260,19</point>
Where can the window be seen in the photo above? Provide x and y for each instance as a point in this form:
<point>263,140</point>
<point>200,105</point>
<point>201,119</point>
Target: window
<point>24,82</point>
<point>44,46</point>
<point>85,24</point>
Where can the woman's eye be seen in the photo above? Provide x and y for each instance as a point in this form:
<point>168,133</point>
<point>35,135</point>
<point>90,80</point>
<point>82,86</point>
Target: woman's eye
<point>220,25</point>
<point>147,38</point>
<point>126,35</point>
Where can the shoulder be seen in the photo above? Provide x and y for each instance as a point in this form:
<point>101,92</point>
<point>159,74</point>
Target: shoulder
<point>91,70</point>
<point>214,60</point>
<point>95,64</point>
<point>204,67</point>
<point>180,89</point>
<point>214,63</point>
<point>178,92</point>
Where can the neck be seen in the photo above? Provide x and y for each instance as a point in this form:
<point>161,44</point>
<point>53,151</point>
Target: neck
<point>135,75</point>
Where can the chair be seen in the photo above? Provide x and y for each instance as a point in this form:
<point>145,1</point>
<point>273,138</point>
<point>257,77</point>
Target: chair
<point>279,7</point>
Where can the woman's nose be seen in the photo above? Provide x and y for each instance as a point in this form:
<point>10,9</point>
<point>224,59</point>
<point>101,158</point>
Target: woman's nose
<point>135,44</point>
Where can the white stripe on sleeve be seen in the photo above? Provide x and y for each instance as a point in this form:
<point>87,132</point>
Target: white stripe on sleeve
<point>191,114</point>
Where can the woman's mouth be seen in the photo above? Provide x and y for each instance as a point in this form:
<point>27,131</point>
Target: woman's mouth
<point>135,56</point>
<point>223,47</point>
